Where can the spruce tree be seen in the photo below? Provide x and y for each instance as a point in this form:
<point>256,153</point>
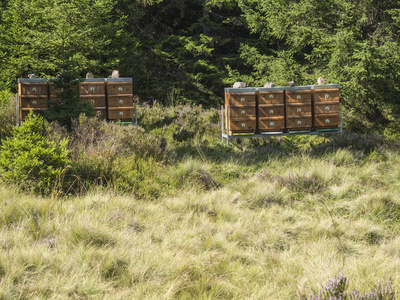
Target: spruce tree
<point>68,104</point>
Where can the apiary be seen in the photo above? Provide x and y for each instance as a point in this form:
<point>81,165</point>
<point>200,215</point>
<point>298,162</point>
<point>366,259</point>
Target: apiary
<point>33,94</point>
<point>281,111</point>
<point>240,106</point>
<point>326,106</point>
<point>120,99</point>
<point>298,108</point>
<point>271,109</point>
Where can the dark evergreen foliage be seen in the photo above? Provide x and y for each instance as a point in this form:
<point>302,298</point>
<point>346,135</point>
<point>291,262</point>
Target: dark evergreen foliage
<point>189,50</point>
<point>68,105</point>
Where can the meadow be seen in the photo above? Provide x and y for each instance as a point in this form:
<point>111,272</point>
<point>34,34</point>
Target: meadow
<point>166,210</point>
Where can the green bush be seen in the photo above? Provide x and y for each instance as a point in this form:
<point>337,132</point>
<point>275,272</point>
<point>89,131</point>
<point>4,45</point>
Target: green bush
<point>7,112</point>
<point>29,159</point>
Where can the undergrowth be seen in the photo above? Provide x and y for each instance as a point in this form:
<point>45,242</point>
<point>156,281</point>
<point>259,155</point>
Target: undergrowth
<point>168,210</point>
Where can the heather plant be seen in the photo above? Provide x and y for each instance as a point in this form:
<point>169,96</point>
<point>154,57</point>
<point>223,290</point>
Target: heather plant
<point>180,123</point>
<point>123,158</point>
<point>29,159</point>
<point>336,289</point>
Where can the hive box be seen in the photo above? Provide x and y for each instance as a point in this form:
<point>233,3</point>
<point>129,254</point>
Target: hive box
<point>271,109</point>
<point>33,94</point>
<point>298,107</point>
<point>326,106</point>
<point>240,105</point>
<point>93,90</point>
<point>120,99</point>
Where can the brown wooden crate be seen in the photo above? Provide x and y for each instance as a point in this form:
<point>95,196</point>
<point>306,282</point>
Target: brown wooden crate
<point>326,107</point>
<point>242,125</point>
<point>327,121</point>
<point>33,102</point>
<point>53,90</point>
<point>271,98</point>
<point>97,101</point>
<point>326,95</point>
<point>120,114</point>
<point>30,88</point>
<point>119,88</point>
<point>242,112</point>
<point>271,124</point>
<point>301,96</point>
<point>298,123</point>
<point>92,88</point>
<point>298,109</point>
<point>240,99</point>
<point>120,101</point>
<point>265,111</point>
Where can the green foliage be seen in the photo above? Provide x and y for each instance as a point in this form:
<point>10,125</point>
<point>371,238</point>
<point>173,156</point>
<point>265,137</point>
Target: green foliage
<point>355,44</point>
<point>7,112</point>
<point>188,51</point>
<point>5,98</point>
<point>30,160</point>
<point>68,104</point>
<point>36,35</point>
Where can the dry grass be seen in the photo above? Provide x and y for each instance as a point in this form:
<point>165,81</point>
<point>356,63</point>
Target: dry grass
<point>248,238</point>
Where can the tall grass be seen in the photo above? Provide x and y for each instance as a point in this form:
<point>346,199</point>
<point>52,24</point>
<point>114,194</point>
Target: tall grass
<point>158,217</point>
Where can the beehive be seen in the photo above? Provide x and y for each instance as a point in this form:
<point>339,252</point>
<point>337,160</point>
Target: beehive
<point>93,90</point>
<point>240,105</point>
<point>271,109</point>
<point>120,99</point>
<point>298,108</point>
<point>326,106</point>
<point>33,93</point>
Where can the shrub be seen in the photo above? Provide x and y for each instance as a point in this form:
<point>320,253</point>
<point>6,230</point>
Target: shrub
<point>123,158</point>
<point>7,113</point>
<point>29,159</point>
<point>336,290</point>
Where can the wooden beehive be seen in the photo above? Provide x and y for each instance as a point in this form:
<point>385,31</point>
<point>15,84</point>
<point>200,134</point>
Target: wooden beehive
<point>298,108</point>
<point>33,94</point>
<point>93,90</point>
<point>271,109</point>
<point>120,99</point>
<point>240,106</point>
<point>326,106</point>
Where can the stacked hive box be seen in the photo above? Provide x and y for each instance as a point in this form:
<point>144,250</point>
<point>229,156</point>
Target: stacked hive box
<point>271,109</point>
<point>298,108</point>
<point>120,99</point>
<point>93,90</point>
<point>240,104</point>
<point>326,106</point>
<point>33,94</point>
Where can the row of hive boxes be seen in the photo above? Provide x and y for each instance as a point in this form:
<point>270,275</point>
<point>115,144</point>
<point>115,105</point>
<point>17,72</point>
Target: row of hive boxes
<point>112,98</point>
<point>283,108</point>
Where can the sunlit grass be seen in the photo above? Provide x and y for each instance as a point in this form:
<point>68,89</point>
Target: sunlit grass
<point>248,238</point>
